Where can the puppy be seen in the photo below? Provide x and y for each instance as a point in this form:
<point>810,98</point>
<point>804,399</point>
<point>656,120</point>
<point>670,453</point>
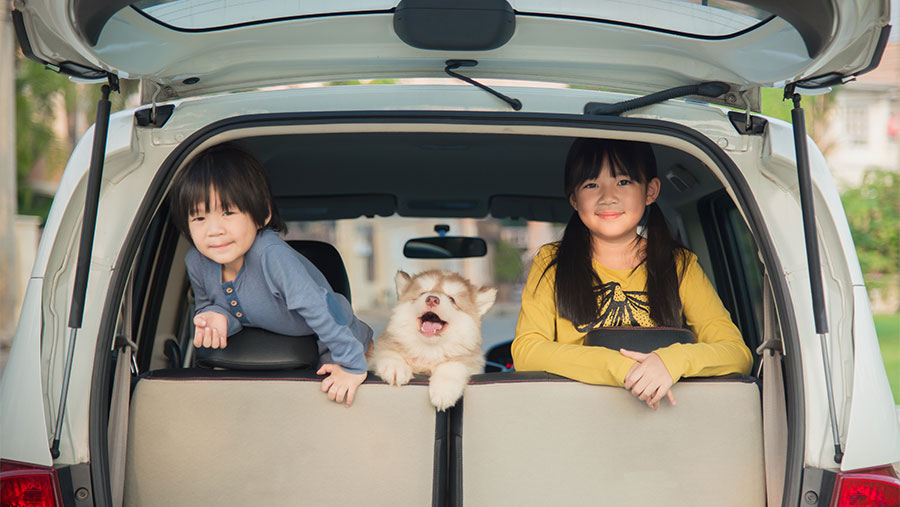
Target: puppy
<point>435,329</point>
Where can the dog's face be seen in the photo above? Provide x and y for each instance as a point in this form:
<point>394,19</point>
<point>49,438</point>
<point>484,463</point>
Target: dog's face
<point>440,305</point>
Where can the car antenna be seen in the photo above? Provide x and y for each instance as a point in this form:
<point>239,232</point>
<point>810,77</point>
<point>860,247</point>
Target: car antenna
<point>708,89</point>
<point>814,264</point>
<point>85,246</point>
<point>452,65</point>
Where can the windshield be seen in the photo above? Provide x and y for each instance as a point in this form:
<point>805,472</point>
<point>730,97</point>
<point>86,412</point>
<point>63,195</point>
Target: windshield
<point>372,252</point>
<point>703,18</point>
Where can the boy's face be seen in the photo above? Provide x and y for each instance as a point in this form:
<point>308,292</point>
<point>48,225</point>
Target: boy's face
<point>222,235</point>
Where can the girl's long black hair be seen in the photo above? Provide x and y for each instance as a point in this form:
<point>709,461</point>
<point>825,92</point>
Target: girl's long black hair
<point>576,280</point>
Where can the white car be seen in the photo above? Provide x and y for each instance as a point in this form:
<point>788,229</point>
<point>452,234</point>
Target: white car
<point>103,401</point>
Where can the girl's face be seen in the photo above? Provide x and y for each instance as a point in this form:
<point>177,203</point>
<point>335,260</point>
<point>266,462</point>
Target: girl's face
<point>611,206</point>
<point>222,235</point>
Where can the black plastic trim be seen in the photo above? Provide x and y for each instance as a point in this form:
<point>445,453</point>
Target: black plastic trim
<point>163,112</point>
<point>165,243</point>
<point>460,25</point>
<point>835,78</point>
<point>307,375</point>
<point>879,50</point>
<point>455,490</point>
<point>727,266</point>
<point>75,484</point>
<point>758,124</point>
<point>441,458</point>
<point>22,36</point>
<point>818,487</point>
<point>157,188</point>
<point>65,68</point>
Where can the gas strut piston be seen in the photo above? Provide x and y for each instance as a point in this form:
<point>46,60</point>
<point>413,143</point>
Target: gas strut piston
<point>91,202</point>
<point>812,253</point>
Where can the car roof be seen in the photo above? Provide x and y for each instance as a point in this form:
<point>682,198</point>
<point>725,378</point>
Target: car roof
<point>435,174</point>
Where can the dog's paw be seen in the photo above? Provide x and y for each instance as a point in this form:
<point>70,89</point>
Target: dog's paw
<point>395,373</point>
<point>444,393</point>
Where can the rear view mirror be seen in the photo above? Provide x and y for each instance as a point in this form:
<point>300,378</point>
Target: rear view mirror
<point>444,247</point>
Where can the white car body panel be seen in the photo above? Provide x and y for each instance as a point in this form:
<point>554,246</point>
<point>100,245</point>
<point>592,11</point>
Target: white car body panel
<point>869,436</point>
<point>23,437</point>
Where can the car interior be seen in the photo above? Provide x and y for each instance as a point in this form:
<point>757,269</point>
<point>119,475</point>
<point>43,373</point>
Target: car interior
<point>262,390</point>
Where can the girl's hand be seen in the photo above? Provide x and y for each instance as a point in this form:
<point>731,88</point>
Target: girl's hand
<point>210,330</point>
<point>340,383</point>
<point>648,378</point>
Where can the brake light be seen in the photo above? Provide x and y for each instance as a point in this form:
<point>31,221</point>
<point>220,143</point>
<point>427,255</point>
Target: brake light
<point>876,487</point>
<point>25,485</point>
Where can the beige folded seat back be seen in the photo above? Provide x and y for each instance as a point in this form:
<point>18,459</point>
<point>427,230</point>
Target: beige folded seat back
<point>534,439</point>
<point>202,437</point>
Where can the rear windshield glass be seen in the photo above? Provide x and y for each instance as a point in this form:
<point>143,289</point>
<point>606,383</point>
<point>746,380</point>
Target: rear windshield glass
<point>715,18</point>
<point>705,18</point>
<point>213,14</point>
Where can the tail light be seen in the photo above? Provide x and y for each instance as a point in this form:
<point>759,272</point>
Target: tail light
<point>25,485</point>
<point>875,487</point>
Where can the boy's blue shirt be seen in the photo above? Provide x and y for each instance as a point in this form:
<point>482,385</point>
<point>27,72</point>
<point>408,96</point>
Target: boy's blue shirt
<point>280,290</point>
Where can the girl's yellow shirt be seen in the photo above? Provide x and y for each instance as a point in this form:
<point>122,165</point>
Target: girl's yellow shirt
<point>547,342</point>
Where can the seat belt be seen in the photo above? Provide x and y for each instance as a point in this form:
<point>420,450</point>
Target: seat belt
<point>117,432</point>
<point>773,401</point>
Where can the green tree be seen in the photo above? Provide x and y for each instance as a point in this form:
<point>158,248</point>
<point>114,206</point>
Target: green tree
<point>35,92</point>
<point>44,97</point>
<point>507,262</point>
<point>873,211</point>
<point>816,110</point>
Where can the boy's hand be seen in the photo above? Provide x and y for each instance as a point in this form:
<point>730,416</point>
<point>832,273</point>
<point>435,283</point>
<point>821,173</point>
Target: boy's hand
<point>210,330</point>
<point>340,384</point>
<point>648,378</point>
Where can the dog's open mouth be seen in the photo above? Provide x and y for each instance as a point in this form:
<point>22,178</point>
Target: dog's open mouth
<point>431,324</point>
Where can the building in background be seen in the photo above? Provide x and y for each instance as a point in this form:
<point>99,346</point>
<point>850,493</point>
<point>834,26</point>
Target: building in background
<point>865,127</point>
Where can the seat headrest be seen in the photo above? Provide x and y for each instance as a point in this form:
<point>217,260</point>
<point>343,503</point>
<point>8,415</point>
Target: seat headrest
<point>257,349</point>
<point>328,260</point>
<point>639,339</point>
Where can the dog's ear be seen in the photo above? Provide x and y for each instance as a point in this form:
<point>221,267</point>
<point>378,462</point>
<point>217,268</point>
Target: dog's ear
<point>402,280</point>
<point>484,299</point>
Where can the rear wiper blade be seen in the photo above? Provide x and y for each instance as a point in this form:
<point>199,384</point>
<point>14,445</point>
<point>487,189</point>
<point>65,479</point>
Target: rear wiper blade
<point>708,89</point>
<point>452,65</point>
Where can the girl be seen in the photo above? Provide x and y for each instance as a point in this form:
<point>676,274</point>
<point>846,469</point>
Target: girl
<point>244,274</point>
<point>605,273</point>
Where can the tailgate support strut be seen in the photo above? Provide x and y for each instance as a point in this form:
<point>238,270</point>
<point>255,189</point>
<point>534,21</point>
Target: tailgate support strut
<point>812,253</point>
<point>86,245</point>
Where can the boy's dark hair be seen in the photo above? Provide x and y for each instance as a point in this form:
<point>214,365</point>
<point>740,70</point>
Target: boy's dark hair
<point>576,280</point>
<point>237,177</point>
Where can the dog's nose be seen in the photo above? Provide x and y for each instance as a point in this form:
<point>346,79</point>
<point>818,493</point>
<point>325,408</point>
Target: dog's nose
<point>432,301</point>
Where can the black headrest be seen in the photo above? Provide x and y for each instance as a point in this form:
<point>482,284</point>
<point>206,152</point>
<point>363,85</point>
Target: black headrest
<point>257,349</point>
<point>328,260</point>
<point>639,339</point>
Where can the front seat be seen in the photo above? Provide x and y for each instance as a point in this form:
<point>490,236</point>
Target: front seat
<point>258,349</point>
<point>328,260</point>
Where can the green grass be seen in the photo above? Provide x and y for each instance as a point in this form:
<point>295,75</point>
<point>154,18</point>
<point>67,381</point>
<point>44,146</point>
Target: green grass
<point>888,329</point>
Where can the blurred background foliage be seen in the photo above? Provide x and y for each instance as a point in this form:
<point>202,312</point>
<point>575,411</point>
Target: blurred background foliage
<point>52,113</point>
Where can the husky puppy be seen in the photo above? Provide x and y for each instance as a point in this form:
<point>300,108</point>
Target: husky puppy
<point>435,329</point>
